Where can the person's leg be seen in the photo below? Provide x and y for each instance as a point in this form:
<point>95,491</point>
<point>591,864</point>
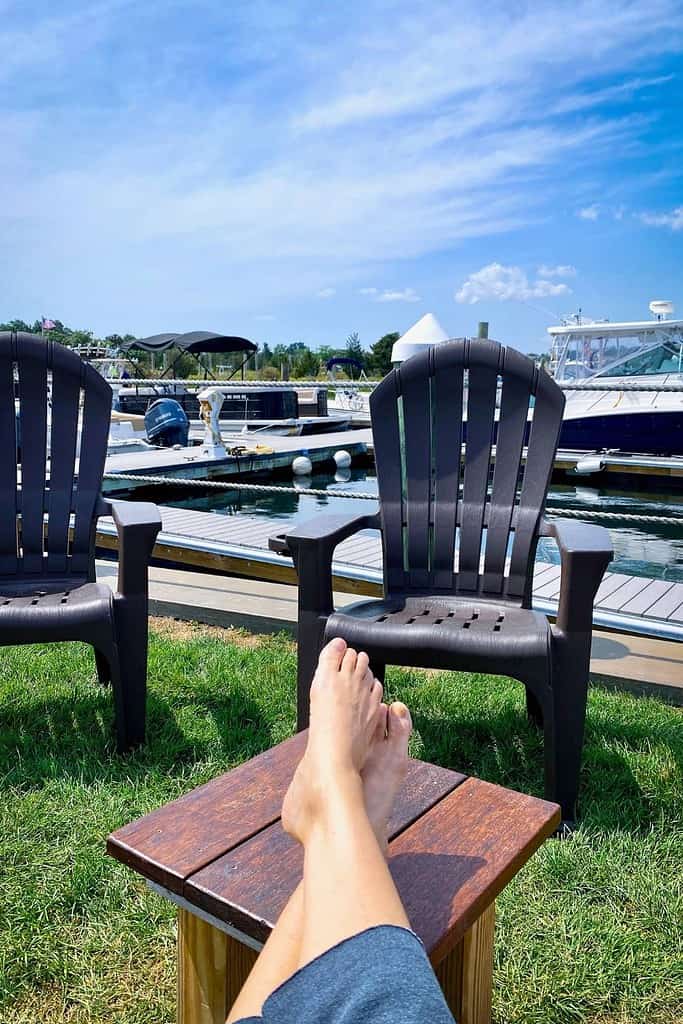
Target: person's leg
<point>383,772</point>
<point>325,810</point>
<point>278,959</point>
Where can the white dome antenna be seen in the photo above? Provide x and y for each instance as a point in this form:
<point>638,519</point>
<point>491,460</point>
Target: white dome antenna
<point>661,308</point>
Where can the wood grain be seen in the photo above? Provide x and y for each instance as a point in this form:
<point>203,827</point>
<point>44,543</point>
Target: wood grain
<point>466,973</point>
<point>248,887</point>
<point>181,837</point>
<point>212,968</point>
<point>453,862</point>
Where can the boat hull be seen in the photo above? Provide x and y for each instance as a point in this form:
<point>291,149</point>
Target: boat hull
<point>653,431</point>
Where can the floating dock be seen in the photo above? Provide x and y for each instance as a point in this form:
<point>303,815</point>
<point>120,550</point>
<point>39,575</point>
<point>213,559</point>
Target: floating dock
<point>238,545</point>
<point>277,456</point>
<point>636,471</point>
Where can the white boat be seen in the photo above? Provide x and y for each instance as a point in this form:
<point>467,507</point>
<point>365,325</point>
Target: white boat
<point>646,352</point>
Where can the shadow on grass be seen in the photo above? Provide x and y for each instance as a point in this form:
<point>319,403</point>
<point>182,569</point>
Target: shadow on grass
<point>73,737</point>
<point>502,746</point>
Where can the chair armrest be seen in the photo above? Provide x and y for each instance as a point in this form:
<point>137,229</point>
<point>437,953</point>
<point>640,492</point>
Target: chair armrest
<point>137,524</point>
<point>585,552</point>
<point>311,545</point>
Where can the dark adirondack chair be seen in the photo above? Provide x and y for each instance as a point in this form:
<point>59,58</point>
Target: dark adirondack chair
<point>47,577</point>
<point>473,612</point>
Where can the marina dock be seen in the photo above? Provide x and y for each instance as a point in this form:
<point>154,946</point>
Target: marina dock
<point>190,464</point>
<point>238,546</point>
<point>636,471</point>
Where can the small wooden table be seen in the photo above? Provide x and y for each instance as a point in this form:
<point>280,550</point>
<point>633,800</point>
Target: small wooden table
<point>221,855</point>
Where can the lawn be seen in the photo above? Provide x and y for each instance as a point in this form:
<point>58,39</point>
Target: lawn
<point>590,930</point>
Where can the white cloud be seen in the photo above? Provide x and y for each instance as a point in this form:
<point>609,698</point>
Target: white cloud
<point>357,145</point>
<point>562,270</point>
<point>389,295</point>
<point>673,219</point>
<point>405,295</point>
<point>591,212</point>
<point>327,293</point>
<point>496,281</point>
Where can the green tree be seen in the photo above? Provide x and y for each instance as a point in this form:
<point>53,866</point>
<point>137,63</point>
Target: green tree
<point>306,364</point>
<point>354,349</point>
<point>380,354</point>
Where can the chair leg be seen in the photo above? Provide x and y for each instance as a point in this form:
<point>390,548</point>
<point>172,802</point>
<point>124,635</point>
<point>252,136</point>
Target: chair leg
<point>310,641</point>
<point>533,708</point>
<point>113,669</point>
<point>103,670</point>
<point>131,629</point>
<point>563,740</point>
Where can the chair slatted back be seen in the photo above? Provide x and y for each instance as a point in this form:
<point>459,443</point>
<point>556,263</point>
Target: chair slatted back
<point>46,475</point>
<point>449,429</point>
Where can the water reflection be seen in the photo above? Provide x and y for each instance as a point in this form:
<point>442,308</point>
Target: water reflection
<point>650,549</point>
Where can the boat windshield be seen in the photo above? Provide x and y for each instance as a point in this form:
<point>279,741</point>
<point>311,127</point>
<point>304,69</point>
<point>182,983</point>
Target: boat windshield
<point>664,358</point>
<point>578,357</point>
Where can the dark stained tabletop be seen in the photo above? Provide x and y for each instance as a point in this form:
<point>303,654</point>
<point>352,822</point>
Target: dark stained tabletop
<point>455,842</point>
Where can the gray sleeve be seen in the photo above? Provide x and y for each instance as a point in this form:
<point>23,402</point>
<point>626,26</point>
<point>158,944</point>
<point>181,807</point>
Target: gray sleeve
<point>381,976</point>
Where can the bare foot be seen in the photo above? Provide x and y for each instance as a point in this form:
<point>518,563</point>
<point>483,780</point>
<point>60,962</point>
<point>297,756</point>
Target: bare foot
<point>345,701</point>
<point>386,767</point>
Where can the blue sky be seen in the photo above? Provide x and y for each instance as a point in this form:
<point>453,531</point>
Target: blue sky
<point>297,171</point>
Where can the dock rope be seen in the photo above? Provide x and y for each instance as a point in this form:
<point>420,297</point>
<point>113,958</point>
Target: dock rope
<point>223,485</point>
<point>348,385</point>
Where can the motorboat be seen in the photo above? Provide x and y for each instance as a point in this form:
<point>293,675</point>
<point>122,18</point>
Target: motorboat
<point>646,352</point>
<point>262,409</point>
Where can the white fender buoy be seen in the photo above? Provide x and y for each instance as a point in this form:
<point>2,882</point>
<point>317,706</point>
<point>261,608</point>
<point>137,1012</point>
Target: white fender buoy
<point>302,466</point>
<point>342,476</point>
<point>342,459</point>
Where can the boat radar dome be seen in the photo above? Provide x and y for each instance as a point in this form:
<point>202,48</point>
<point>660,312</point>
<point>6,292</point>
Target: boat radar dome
<point>661,308</point>
<point>427,331</point>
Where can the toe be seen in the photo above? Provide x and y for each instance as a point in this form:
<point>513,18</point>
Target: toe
<point>349,660</point>
<point>332,653</point>
<point>362,665</point>
<point>399,724</point>
<point>380,724</point>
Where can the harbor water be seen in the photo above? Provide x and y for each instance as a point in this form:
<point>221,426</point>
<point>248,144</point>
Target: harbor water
<point>653,550</point>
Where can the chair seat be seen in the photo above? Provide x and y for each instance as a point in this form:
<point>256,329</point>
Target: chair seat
<point>68,614</point>
<point>446,632</point>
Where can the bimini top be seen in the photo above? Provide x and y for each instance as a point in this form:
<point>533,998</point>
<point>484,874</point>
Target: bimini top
<point>193,341</point>
<point>343,361</point>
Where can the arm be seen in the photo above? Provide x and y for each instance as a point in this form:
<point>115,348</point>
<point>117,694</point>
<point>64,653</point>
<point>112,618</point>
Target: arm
<point>585,552</point>
<point>137,525</point>
<point>312,545</point>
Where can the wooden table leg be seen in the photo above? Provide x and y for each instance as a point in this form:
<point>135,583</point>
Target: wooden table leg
<point>466,974</point>
<point>212,967</point>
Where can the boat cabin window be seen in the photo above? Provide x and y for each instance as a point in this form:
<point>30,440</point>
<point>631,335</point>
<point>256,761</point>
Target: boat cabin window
<point>664,358</point>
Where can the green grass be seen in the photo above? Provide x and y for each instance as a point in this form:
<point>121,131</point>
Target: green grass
<point>590,930</point>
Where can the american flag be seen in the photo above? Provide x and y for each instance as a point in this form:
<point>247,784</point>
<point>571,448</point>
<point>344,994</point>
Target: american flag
<point>48,324</point>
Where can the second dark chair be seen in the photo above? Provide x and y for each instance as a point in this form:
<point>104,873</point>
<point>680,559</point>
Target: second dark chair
<point>51,476</point>
<point>454,476</point>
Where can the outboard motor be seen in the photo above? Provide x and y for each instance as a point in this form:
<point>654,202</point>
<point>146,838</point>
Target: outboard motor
<point>166,423</point>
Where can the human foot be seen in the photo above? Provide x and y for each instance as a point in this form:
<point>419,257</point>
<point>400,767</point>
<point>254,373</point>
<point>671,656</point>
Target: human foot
<point>345,701</point>
<point>386,766</point>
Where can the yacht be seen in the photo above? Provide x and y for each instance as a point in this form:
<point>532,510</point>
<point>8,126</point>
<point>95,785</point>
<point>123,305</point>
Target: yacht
<point>641,352</point>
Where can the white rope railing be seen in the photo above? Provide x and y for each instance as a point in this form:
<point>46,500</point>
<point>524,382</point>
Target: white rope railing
<point>367,384</point>
<point>223,485</point>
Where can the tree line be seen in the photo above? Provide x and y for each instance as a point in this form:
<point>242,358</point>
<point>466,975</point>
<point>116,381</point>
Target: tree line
<point>296,360</point>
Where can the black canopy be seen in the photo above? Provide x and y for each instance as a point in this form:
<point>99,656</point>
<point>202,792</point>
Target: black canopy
<point>193,341</point>
<point>343,361</point>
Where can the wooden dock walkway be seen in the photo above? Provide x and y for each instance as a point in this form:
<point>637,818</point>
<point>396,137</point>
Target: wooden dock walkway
<point>238,545</point>
<point>189,464</point>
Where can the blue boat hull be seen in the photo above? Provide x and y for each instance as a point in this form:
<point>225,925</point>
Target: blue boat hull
<point>653,433</point>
